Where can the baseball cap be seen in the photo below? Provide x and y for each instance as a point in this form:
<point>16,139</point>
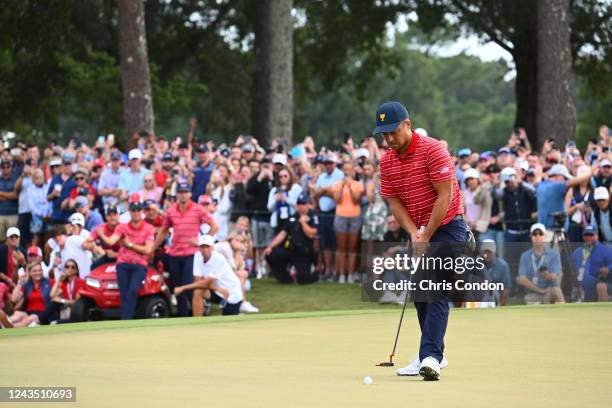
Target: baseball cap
<point>68,158</point>
<point>605,162</point>
<point>248,148</point>
<point>77,219</point>
<point>55,161</point>
<point>466,151</point>
<point>202,149</point>
<point>149,202</point>
<point>134,201</point>
<point>111,209</point>
<point>167,157</point>
<point>303,198</point>
<point>601,193</point>
<point>589,230</point>
<point>207,240</point>
<point>559,170</point>
<point>135,154</point>
<point>488,245</point>
<point>115,155</point>
<point>507,173</point>
<point>329,158</point>
<point>34,251</point>
<point>279,158</point>
<point>362,152</point>
<point>82,170</point>
<point>388,117</point>
<point>13,231</point>
<point>204,199</point>
<point>503,150</point>
<point>81,202</point>
<point>538,226</point>
<point>183,187</point>
<point>492,168</point>
<point>4,161</point>
<point>471,173</point>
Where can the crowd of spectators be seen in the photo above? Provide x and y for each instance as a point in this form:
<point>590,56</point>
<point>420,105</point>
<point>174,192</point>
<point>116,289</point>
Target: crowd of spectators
<point>295,212</point>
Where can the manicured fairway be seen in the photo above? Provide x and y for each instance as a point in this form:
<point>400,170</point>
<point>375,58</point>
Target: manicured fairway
<point>547,356</point>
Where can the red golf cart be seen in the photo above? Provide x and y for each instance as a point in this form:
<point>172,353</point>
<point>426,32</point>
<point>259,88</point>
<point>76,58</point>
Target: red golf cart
<point>100,296</point>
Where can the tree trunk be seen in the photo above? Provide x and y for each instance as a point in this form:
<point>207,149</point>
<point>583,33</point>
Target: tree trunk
<point>272,93</point>
<point>556,110</point>
<point>526,62</point>
<point>135,75</point>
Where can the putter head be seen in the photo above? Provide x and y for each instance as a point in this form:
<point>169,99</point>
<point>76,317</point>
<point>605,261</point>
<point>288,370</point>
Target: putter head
<point>385,364</point>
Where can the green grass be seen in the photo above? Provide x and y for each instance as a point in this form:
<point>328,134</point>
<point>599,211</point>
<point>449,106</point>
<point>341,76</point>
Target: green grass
<point>272,297</point>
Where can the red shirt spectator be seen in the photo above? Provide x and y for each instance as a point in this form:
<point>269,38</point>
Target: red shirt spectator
<point>71,288</point>
<point>186,226</point>
<point>108,231</point>
<point>136,235</point>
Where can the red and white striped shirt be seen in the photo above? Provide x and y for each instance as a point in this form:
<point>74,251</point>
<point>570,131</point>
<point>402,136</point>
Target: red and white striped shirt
<point>186,228</point>
<point>410,177</point>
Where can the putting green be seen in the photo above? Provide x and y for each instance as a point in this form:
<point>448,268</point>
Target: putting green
<point>510,357</point>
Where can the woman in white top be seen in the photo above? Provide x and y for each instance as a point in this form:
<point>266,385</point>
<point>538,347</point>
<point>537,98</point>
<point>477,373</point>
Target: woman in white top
<point>282,198</point>
<point>219,188</point>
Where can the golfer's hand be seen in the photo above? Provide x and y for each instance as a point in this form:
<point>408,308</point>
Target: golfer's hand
<point>267,251</point>
<point>420,246</point>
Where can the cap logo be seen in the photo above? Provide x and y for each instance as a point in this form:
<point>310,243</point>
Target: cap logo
<point>382,117</point>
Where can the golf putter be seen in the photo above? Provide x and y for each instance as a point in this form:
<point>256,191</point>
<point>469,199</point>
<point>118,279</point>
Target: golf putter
<point>390,363</point>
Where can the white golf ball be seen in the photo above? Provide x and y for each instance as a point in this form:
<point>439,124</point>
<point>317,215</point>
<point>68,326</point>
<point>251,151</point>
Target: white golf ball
<point>367,380</point>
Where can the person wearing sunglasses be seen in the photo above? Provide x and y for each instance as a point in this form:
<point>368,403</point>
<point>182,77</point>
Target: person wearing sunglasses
<point>66,288</point>
<point>81,189</point>
<point>283,198</point>
<point>136,239</point>
<point>540,269</point>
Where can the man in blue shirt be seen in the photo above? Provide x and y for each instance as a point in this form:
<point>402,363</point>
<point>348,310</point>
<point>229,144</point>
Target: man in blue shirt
<point>59,189</point>
<point>540,270</point>
<point>131,179</point>
<point>550,192</point>
<point>593,261</point>
<point>327,208</point>
<point>202,173</point>
<point>108,187</point>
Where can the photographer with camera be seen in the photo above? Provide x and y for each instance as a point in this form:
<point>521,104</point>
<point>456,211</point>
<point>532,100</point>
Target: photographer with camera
<point>540,270</point>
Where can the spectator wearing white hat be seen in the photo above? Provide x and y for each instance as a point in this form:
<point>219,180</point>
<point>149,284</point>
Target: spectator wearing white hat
<point>131,179</point>
<point>496,270</point>
<point>604,175</point>
<point>477,201</point>
<point>215,280</point>
<point>601,214</point>
<point>327,207</point>
<point>72,245</point>
<point>92,217</point>
<point>540,270</point>
<point>12,257</point>
<point>550,193</point>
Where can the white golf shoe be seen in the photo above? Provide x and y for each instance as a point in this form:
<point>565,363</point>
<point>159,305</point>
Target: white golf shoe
<point>430,369</point>
<point>247,307</point>
<point>413,368</point>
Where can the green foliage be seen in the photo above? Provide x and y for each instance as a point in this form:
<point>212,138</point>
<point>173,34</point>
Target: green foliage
<point>459,99</point>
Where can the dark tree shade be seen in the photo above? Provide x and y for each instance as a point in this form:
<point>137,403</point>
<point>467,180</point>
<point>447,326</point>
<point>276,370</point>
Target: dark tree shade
<point>135,73</point>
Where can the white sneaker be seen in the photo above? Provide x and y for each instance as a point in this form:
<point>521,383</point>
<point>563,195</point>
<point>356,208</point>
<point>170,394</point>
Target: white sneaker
<point>247,307</point>
<point>350,278</point>
<point>413,368</point>
<point>430,369</point>
<point>388,297</point>
<point>341,279</point>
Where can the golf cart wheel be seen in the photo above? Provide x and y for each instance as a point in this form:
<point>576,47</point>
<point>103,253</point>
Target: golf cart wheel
<point>79,312</point>
<point>153,307</point>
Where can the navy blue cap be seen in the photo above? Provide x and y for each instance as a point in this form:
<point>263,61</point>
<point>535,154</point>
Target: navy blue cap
<point>167,157</point>
<point>183,187</point>
<point>303,198</point>
<point>148,202</point>
<point>111,209</point>
<point>589,230</point>
<point>388,117</point>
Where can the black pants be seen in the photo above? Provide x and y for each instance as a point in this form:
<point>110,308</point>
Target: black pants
<point>279,260</point>
<point>23,223</point>
<point>181,273</point>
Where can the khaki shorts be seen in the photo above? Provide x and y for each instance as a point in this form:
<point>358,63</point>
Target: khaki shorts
<point>6,222</point>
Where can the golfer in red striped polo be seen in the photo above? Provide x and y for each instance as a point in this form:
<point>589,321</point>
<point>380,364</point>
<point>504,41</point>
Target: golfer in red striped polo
<point>418,181</point>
